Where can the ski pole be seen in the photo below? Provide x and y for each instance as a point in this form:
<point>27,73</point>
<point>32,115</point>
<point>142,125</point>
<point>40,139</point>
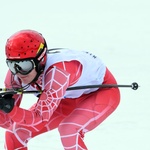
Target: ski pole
<point>134,86</point>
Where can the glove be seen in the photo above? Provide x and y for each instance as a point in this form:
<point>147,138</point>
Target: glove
<point>6,103</point>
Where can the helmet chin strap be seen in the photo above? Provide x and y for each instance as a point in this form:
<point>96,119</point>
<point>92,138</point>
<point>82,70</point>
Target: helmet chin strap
<point>36,77</point>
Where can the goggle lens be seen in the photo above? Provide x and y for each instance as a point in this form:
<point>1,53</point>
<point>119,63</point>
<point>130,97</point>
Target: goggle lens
<point>23,67</point>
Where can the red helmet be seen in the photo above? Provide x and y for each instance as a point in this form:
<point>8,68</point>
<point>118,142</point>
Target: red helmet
<point>25,44</point>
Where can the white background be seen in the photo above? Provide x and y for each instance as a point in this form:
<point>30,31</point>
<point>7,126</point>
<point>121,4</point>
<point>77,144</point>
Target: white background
<point>118,31</point>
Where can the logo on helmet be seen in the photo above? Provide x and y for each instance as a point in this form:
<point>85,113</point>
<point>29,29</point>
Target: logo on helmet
<point>40,51</point>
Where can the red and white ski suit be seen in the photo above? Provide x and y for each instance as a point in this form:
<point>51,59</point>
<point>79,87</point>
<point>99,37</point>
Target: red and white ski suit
<point>73,112</point>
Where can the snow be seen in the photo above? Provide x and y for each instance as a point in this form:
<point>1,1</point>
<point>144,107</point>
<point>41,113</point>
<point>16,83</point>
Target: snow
<point>118,31</point>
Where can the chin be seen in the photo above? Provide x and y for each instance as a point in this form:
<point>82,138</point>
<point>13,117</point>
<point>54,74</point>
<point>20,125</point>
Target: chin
<point>25,82</point>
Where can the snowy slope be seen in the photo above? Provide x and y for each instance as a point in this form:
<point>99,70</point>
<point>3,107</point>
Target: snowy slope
<point>118,31</point>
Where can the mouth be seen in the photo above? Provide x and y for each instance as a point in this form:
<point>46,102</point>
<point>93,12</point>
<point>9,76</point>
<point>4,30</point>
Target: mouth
<point>23,77</point>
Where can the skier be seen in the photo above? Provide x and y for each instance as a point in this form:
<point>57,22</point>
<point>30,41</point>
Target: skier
<point>74,112</point>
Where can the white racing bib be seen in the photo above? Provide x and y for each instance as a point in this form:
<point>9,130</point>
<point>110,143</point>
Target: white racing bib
<point>93,69</point>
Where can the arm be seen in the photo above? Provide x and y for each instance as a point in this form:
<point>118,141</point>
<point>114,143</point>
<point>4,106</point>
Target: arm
<point>5,120</point>
<point>57,80</point>
<point>56,83</point>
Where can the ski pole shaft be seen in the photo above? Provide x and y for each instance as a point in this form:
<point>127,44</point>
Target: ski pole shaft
<point>134,86</point>
<point>19,92</point>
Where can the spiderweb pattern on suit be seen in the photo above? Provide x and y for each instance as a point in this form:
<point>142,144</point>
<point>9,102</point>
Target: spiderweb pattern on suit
<point>56,83</point>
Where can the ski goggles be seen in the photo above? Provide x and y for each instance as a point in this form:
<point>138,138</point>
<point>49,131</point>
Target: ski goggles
<point>23,67</point>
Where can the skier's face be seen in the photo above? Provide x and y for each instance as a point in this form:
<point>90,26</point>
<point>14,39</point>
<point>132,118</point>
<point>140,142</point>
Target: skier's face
<point>26,79</point>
